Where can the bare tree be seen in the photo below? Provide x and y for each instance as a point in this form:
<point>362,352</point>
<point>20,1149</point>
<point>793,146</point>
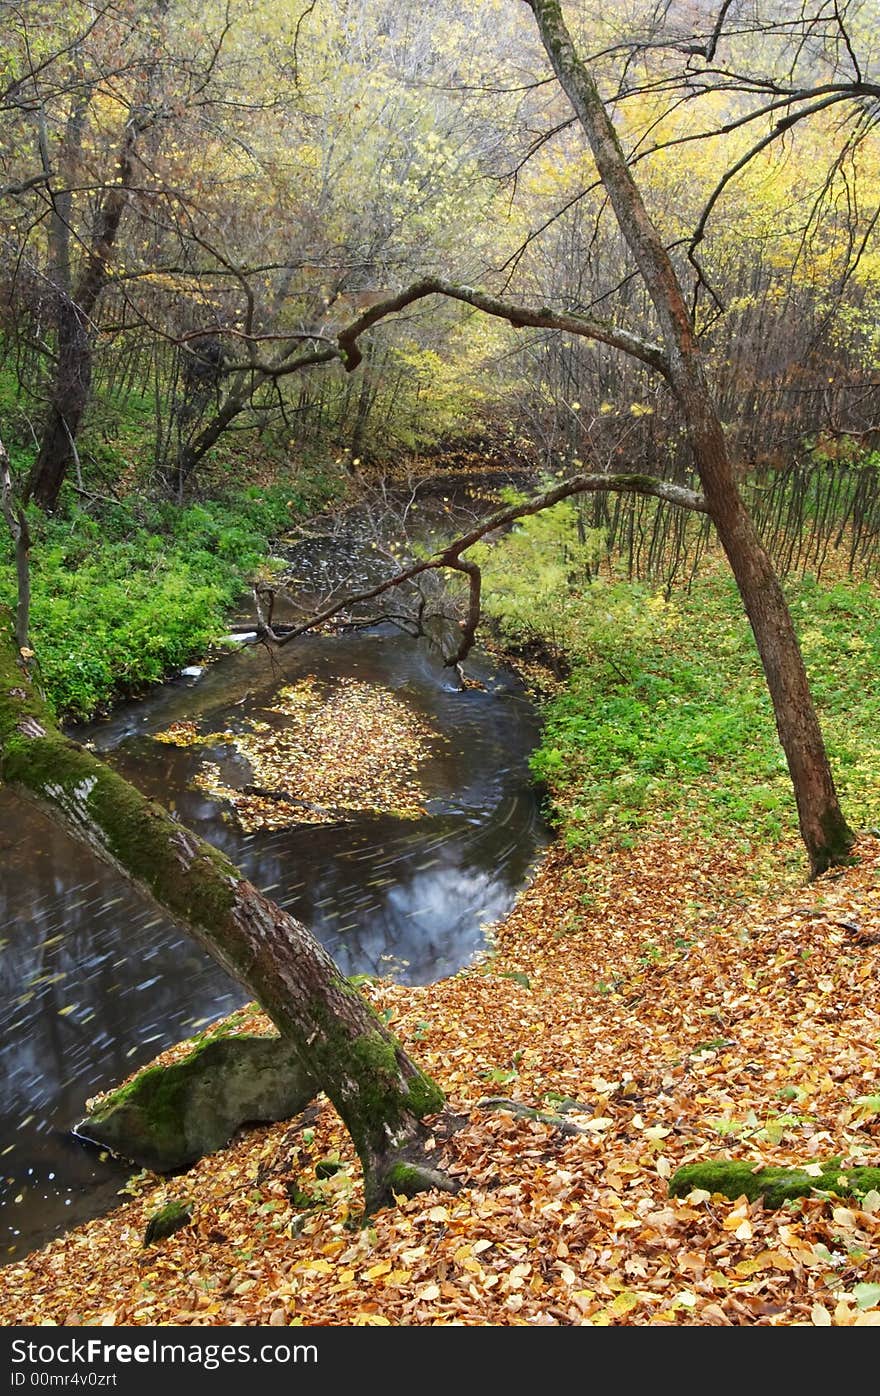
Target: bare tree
<point>826,835</point>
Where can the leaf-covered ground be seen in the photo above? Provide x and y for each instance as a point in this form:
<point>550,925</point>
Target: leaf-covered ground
<point>686,1021</point>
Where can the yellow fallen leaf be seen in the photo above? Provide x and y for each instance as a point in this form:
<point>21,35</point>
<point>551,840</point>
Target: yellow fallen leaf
<point>626,1301</point>
<point>657,1132</point>
<point>749,1267</point>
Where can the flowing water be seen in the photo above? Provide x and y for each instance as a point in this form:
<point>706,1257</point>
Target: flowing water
<point>94,981</point>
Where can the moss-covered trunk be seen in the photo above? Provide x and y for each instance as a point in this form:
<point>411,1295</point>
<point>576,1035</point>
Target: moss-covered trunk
<point>340,1041</point>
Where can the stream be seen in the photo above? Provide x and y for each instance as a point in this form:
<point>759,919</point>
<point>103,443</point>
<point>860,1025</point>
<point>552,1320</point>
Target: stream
<point>95,982</point>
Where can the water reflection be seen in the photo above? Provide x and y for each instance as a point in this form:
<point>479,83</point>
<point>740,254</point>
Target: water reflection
<point>93,981</point>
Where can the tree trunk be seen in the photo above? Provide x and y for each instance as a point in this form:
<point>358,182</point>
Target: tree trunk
<point>70,395</point>
<point>826,835</point>
<point>338,1038</point>
<point>72,383</point>
<point>192,452</point>
<point>19,532</point>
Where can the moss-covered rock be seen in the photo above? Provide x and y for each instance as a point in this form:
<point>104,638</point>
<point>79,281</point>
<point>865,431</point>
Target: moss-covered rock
<point>773,1185</point>
<point>167,1220</point>
<point>168,1117</point>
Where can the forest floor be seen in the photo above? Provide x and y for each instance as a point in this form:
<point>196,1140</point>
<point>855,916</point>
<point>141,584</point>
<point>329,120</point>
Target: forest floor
<point>687,1017</point>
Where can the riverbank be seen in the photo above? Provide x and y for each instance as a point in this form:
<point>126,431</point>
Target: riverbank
<point>413,823</point>
<point>127,592</point>
<point>659,975</point>
<point>686,1022</point>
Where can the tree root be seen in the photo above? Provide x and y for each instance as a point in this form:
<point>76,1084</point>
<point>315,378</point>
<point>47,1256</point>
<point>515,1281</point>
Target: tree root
<point>774,1186</point>
<point>529,1112</point>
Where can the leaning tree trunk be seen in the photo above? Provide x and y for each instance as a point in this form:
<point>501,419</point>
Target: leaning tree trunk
<point>341,1043</point>
<point>237,400</point>
<point>826,835</point>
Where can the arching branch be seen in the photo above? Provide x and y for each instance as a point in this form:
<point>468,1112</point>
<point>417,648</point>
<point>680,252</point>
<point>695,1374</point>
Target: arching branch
<point>450,558</point>
<point>519,316</point>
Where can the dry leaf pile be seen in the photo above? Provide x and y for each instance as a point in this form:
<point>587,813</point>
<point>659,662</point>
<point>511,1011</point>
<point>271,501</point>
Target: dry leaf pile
<point>683,1022</point>
<point>349,749</point>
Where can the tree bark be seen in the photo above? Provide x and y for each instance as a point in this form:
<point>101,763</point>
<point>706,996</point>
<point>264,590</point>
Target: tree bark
<point>339,1040</point>
<point>19,531</point>
<point>238,398</point>
<point>71,388</point>
<point>826,835</point>
<point>72,383</point>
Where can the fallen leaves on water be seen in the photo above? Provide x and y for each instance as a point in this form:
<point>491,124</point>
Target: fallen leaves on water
<point>186,734</point>
<point>336,752</point>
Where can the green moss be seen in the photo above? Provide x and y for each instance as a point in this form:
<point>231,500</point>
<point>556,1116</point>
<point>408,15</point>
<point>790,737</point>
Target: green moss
<point>138,833</point>
<point>405,1180</point>
<point>167,1220</point>
<point>377,1056</point>
<point>167,1117</point>
<point>773,1185</point>
<point>425,1096</point>
<point>363,1076</point>
<point>328,1167</point>
<point>838,840</point>
<point>160,1095</point>
<point>161,1092</point>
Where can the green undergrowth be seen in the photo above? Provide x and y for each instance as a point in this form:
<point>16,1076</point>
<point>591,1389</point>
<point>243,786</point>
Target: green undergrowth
<point>125,595</point>
<point>664,720</point>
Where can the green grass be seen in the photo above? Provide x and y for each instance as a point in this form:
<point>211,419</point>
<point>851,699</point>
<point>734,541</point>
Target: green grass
<point>124,598</point>
<point>126,593</point>
<point>668,723</point>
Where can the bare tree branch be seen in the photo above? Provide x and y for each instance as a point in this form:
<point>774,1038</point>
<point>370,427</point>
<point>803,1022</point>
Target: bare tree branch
<point>450,557</point>
<point>518,316</point>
